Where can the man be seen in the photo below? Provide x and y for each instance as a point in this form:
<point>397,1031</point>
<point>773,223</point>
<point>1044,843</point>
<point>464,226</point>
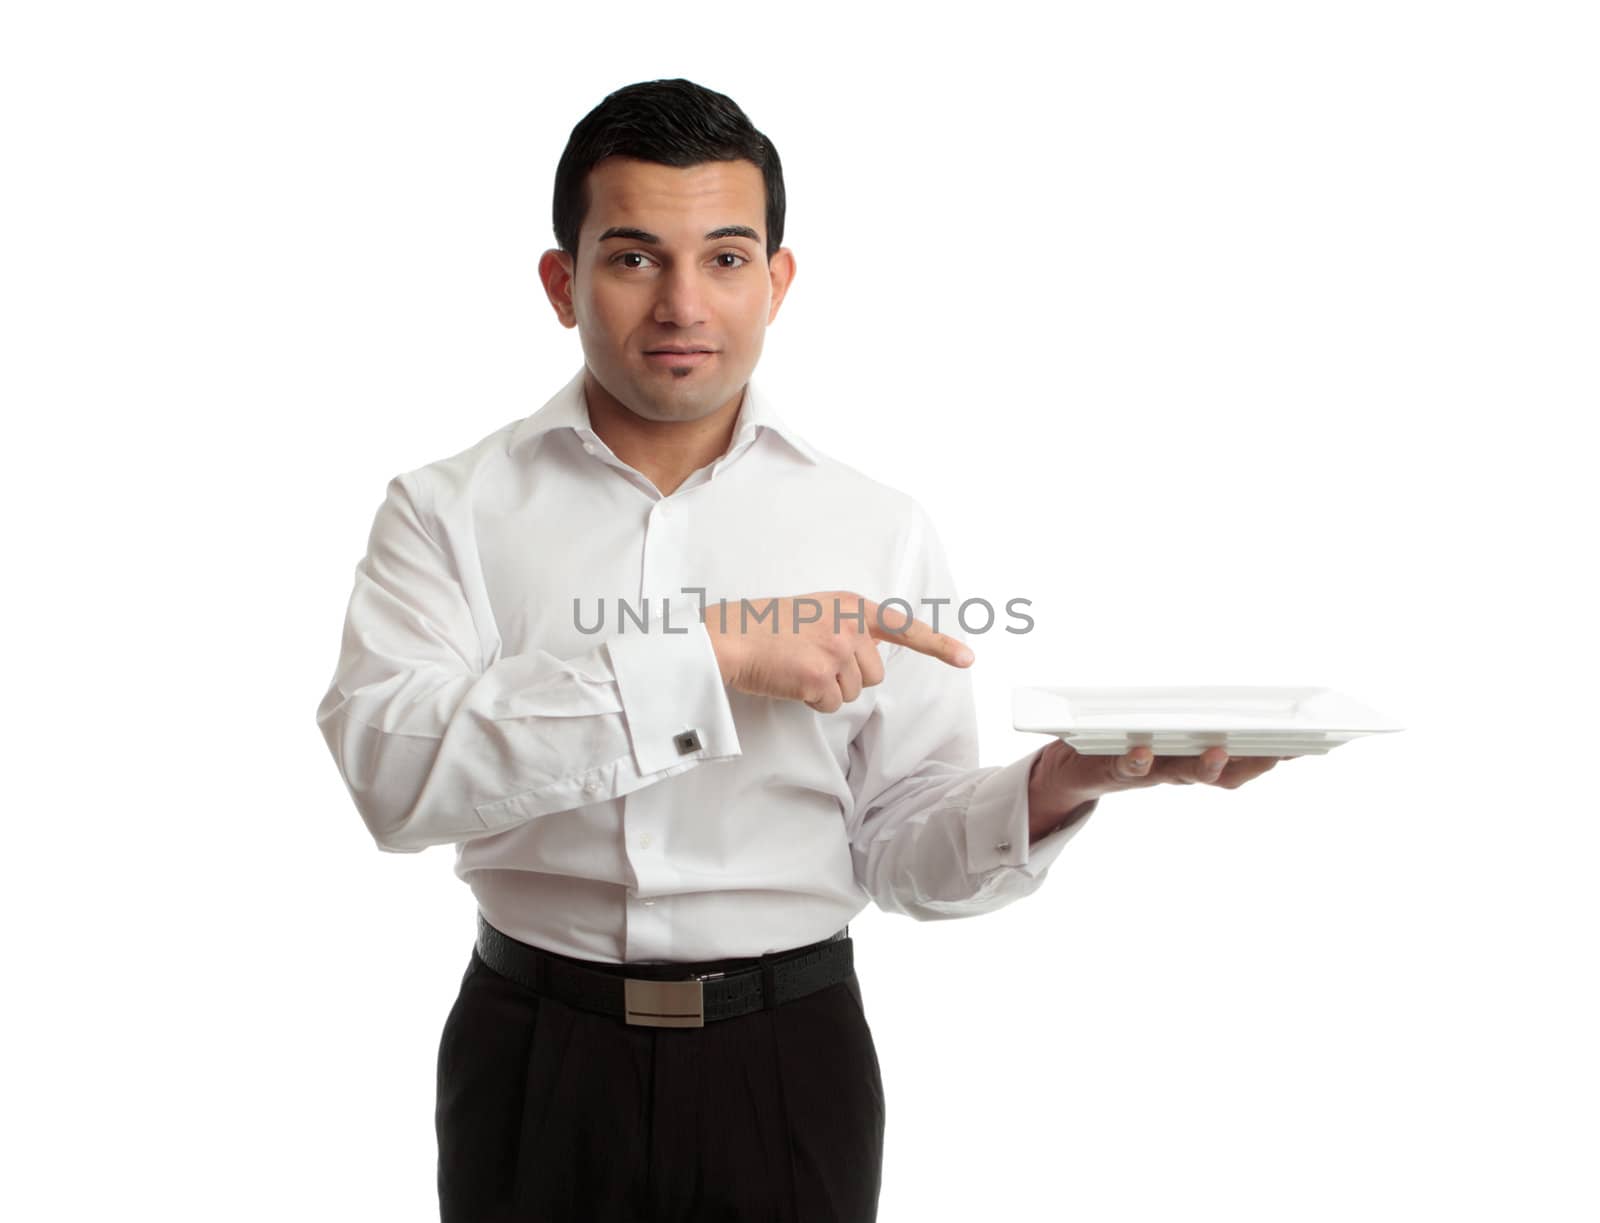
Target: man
<point>668,818</point>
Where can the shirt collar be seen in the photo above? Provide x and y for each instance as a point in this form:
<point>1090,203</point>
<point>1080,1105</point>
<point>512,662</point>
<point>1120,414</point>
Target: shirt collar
<point>568,409</point>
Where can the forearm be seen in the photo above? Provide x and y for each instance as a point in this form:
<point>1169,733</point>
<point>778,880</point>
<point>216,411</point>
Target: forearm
<point>433,757</point>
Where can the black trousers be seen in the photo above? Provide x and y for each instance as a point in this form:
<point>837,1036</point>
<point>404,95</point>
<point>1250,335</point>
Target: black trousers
<point>549,1114</point>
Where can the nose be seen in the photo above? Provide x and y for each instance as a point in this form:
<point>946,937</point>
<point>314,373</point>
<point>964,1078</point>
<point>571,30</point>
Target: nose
<point>681,300</point>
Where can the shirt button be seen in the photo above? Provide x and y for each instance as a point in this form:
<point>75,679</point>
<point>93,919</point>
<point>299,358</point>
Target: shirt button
<point>1002,846</point>
<point>645,841</point>
<point>649,904</point>
<point>589,446</point>
<point>591,788</point>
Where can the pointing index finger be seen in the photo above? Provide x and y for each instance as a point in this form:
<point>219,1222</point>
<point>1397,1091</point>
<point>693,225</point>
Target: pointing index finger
<point>902,628</point>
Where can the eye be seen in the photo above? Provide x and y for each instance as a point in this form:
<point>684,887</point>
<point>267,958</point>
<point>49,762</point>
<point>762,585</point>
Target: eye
<point>630,255</point>
<point>731,255</point>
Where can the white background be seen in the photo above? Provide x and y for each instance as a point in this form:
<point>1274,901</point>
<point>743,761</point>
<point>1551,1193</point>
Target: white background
<point>1255,343</point>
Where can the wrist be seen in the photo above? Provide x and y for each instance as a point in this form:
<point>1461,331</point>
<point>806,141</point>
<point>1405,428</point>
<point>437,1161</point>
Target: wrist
<point>1051,803</point>
<point>726,646</point>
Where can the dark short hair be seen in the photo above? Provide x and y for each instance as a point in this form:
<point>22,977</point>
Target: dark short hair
<point>673,123</point>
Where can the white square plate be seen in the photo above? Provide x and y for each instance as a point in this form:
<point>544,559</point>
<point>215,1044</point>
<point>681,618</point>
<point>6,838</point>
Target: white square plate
<point>1186,721</point>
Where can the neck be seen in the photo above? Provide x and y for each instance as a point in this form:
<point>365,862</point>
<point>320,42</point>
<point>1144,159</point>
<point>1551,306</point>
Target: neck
<point>666,452</point>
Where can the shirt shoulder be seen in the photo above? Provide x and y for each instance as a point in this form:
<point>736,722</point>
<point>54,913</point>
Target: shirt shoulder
<point>452,479</point>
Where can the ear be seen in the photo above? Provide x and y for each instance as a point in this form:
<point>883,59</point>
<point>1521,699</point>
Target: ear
<point>781,268</point>
<point>558,274</point>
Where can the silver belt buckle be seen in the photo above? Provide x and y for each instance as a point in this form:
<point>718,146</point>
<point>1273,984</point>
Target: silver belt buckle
<point>666,1004</point>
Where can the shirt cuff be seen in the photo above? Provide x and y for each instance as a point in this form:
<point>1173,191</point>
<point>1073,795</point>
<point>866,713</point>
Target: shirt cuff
<point>673,697</point>
<point>997,823</point>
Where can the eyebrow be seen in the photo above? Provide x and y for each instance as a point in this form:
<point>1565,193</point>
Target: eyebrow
<point>640,235</point>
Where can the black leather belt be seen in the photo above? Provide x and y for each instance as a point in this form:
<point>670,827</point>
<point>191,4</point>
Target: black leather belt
<point>665,995</point>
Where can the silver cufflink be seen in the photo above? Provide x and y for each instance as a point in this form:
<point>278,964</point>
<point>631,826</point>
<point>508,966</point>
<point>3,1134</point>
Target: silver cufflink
<point>687,742</point>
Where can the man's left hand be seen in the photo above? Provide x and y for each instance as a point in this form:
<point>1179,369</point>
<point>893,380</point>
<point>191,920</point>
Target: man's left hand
<point>1063,780</point>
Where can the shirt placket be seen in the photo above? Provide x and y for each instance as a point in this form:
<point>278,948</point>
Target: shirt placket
<point>647,812</point>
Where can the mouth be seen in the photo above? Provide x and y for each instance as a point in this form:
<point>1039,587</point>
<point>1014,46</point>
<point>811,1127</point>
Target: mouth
<point>679,356</point>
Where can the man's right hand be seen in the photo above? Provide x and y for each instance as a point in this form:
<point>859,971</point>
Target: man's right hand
<point>818,649</point>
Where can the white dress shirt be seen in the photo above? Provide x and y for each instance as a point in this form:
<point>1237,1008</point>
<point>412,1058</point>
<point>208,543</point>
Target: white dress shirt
<point>470,708</point>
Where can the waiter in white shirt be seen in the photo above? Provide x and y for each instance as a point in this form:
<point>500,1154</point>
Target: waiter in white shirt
<point>647,659</point>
